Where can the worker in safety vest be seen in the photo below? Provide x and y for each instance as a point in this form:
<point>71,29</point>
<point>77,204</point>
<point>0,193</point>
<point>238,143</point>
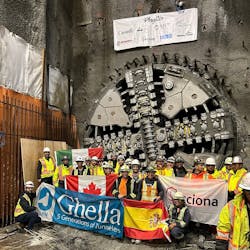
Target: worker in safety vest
<point>211,168</point>
<point>169,170</point>
<point>25,212</point>
<point>160,167</point>
<point>235,177</point>
<point>107,168</point>
<point>128,162</point>
<point>150,188</point>
<point>46,167</point>
<point>112,160</point>
<point>119,164</point>
<point>88,162</point>
<point>122,185</point>
<point>81,168</point>
<point>179,169</point>
<point>61,172</point>
<point>179,217</point>
<point>233,226</point>
<point>136,175</point>
<point>224,172</point>
<point>198,171</point>
<point>95,167</point>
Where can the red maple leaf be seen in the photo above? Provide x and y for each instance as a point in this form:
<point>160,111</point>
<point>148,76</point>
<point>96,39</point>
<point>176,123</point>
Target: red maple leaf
<point>91,189</point>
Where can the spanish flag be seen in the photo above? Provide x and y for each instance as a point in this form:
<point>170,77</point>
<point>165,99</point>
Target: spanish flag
<point>145,220</point>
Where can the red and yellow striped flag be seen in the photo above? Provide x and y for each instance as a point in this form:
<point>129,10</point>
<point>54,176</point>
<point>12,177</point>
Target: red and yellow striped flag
<point>144,220</point>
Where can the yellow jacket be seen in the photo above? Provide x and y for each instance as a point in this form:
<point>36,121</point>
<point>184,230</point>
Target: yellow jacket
<point>217,174</point>
<point>233,224</point>
<point>48,167</point>
<point>60,173</point>
<point>234,180</point>
<point>96,170</point>
<point>19,210</point>
<point>224,173</point>
<point>166,172</point>
<point>117,168</point>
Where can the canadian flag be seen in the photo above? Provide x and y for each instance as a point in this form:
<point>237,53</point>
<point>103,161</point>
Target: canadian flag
<point>90,184</point>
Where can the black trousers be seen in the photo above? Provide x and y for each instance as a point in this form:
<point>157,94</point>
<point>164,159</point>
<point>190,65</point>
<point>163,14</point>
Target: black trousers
<point>29,218</point>
<point>61,184</point>
<point>48,180</point>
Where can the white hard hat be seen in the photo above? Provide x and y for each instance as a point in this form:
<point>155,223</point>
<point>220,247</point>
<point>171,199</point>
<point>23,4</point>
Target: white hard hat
<point>105,164</point>
<point>124,168</point>
<point>79,158</point>
<point>94,158</point>
<point>171,159</point>
<point>29,184</point>
<point>128,161</point>
<point>228,161</point>
<point>121,157</point>
<point>160,158</point>
<point>135,162</point>
<point>237,159</point>
<point>245,182</point>
<point>46,149</point>
<point>178,196</point>
<point>210,161</point>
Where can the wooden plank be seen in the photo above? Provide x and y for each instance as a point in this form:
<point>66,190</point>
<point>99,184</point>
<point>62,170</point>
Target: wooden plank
<point>31,151</point>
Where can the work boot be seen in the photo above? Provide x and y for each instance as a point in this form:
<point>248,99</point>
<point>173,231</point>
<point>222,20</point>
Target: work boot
<point>137,241</point>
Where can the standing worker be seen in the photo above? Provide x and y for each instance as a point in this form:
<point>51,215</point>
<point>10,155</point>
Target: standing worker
<point>46,167</point>
<point>179,169</point>
<point>25,212</point>
<point>150,188</point>
<point>235,177</point>
<point>160,168</point>
<point>169,170</point>
<point>224,172</point>
<point>211,168</point>
<point>61,172</point>
<point>233,225</point>
<point>122,186</point>
<point>119,164</point>
<point>81,168</point>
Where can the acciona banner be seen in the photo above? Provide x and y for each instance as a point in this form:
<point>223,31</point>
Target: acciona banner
<point>156,29</point>
<point>204,198</point>
<point>100,214</point>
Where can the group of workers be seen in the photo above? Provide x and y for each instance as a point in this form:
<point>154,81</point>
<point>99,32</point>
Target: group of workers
<point>133,183</point>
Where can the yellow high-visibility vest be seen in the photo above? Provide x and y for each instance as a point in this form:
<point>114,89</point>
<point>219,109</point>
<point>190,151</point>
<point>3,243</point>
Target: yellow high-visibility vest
<point>19,210</point>
<point>233,224</point>
<point>96,170</point>
<point>149,192</point>
<point>48,167</point>
<point>234,180</point>
<point>60,173</point>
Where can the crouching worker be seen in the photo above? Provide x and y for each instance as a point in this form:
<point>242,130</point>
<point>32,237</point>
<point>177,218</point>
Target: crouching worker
<point>25,212</point>
<point>179,217</point>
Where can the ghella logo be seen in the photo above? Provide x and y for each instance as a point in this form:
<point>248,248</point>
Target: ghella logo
<point>45,199</point>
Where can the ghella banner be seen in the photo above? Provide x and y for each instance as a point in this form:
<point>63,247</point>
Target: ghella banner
<point>99,214</point>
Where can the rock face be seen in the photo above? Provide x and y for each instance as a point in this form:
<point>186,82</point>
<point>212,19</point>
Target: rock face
<point>78,37</point>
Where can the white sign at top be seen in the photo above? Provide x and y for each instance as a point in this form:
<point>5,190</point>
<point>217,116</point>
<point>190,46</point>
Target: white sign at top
<point>156,29</point>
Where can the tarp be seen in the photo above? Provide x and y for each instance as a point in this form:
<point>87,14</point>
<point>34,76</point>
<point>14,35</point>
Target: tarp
<point>73,153</point>
<point>21,64</point>
<point>58,94</point>
<point>204,198</point>
<point>156,29</point>
<point>100,214</point>
<point>91,184</point>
